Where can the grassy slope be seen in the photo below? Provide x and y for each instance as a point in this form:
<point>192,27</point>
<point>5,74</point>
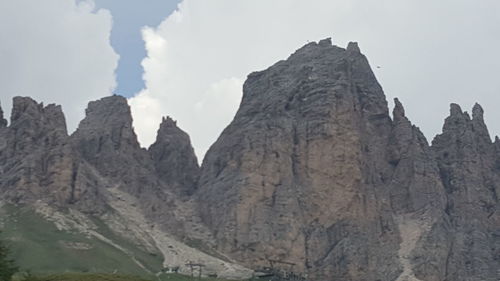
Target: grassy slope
<point>112,277</point>
<point>39,246</point>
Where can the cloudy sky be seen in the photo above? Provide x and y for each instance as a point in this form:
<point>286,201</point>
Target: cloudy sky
<point>188,59</point>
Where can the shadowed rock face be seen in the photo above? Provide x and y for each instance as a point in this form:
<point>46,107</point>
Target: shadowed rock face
<point>174,158</point>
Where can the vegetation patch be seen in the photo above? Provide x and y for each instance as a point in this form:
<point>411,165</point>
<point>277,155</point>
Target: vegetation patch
<point>39,246</point>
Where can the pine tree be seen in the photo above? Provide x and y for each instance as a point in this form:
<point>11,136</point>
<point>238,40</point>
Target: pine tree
<point>7,266</point>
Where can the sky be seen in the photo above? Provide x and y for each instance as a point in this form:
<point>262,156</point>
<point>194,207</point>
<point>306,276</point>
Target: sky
<point>188,59</point>
<point>128,19</point>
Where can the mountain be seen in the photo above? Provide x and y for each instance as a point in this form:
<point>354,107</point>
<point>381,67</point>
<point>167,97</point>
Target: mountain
<point>313,176</point>
<point>313,171</point>
<point>96,198</point>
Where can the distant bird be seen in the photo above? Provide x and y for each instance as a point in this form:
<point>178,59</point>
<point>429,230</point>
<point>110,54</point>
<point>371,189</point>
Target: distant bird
<point>378,66</point>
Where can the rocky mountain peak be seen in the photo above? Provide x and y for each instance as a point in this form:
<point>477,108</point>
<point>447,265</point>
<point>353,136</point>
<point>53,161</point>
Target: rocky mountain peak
<point>168,128</point>
<point>353,47</point>
<point>26,112</point>
<point>477,112</point>
<point>457,121</point>
<point>106,127</point>
<point>468,165</point>
<point>168,122</point>
<point>478,124</point>
<point>281,177</point>
<point>25,106</point>
<point>174,157</point>
<point>313,171</point>
<point>106,139</point>
<point>398,112</point>
<point>455,110</point>
<point>36,158</point>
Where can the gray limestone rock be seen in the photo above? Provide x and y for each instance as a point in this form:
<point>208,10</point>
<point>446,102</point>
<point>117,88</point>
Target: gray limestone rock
<point>313,171</point>
<point>105,138</point>
<point>301,174</point>
<point>467,162</point>
<point>38,163</point>
<point>174,158</point>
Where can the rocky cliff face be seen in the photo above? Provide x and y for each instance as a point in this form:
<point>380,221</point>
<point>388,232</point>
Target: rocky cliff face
<point>35,154</point>
<point>100,172</point>
<point>297,174</point>
<point>468,164</point>
<point>106,140</point>
<point>174,158</point>
<point>313,173</point>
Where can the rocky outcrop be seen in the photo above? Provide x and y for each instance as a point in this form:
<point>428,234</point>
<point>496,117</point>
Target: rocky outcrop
<point>468,164</point>
<point>101,172</point>
<point>105,138</point>
<point>418,200</point>
<point>174,158</point>
<point>314,172</point>
<point>32,156</point>
<point>159,179</point>
<point>300,175</point>
<point>37,161</point>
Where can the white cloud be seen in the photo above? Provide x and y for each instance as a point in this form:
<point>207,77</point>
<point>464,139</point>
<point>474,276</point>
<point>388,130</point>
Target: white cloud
<point>431,53</point>
<point>55,51</point>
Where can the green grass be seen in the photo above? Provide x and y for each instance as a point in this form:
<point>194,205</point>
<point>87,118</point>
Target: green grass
<point>179,277</point>
<point>152,261</point>
<point>37,245</point>
<point>109,277</point>
<point>84,277</point>
<point>40,248</point>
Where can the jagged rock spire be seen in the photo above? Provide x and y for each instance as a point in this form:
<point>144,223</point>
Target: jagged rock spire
<point>106,139</point>
<point>398,111</point>
<point>37,158</point>
<point>174,157</point>
<point>468,166</point>
<point>478,124</point>
<point>477,112</point>
<point>33,119</point>
<point>353,47</point>
<point>457,120</point>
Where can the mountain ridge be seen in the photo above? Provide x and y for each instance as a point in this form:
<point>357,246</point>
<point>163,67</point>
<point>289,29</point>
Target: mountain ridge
<point>312,171</point>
